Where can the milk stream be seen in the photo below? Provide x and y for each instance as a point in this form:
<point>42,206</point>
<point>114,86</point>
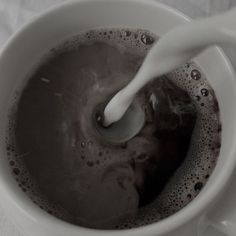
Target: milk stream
<point>172,50</point>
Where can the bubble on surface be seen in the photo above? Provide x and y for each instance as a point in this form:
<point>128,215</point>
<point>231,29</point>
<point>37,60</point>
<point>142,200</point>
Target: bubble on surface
<point>147,39</point>
<point>195,74</point>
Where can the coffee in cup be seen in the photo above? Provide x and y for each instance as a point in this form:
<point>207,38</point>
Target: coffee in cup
<point>67,169</point>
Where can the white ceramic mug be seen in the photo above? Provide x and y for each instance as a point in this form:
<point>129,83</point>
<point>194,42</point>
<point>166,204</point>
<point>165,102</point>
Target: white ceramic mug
<point>25,49</point>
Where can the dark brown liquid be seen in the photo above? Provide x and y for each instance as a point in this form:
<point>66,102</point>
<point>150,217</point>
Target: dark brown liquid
<point>100,185</point>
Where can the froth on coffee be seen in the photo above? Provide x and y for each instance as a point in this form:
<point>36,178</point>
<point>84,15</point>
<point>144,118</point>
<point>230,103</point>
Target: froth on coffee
<point>61,164</point>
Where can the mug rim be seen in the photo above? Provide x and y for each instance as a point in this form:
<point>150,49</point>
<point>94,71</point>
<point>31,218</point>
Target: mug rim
<point>193,209</point>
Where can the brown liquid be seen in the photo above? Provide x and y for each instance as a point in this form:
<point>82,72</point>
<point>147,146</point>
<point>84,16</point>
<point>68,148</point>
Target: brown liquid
<point>98,184</point>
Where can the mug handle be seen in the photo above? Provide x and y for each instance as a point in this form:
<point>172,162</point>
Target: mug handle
<point>221,221</point>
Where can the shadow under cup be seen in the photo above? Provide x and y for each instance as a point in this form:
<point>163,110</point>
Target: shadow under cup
<point>71,19</point>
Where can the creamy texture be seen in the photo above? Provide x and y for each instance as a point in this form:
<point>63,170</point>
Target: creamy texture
<point>69,170</point>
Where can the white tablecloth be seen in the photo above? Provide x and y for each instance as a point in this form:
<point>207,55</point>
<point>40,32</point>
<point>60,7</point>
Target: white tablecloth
<point>15,13</point>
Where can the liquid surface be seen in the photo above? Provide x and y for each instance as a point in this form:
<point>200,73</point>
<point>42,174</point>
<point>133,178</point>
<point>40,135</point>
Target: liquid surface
<point>65,167</point>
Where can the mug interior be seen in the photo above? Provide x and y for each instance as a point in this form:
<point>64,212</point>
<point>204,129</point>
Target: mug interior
<point>24,51</point>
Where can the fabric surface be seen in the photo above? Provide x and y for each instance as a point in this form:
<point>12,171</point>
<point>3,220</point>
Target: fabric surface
<point>15,13</point>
